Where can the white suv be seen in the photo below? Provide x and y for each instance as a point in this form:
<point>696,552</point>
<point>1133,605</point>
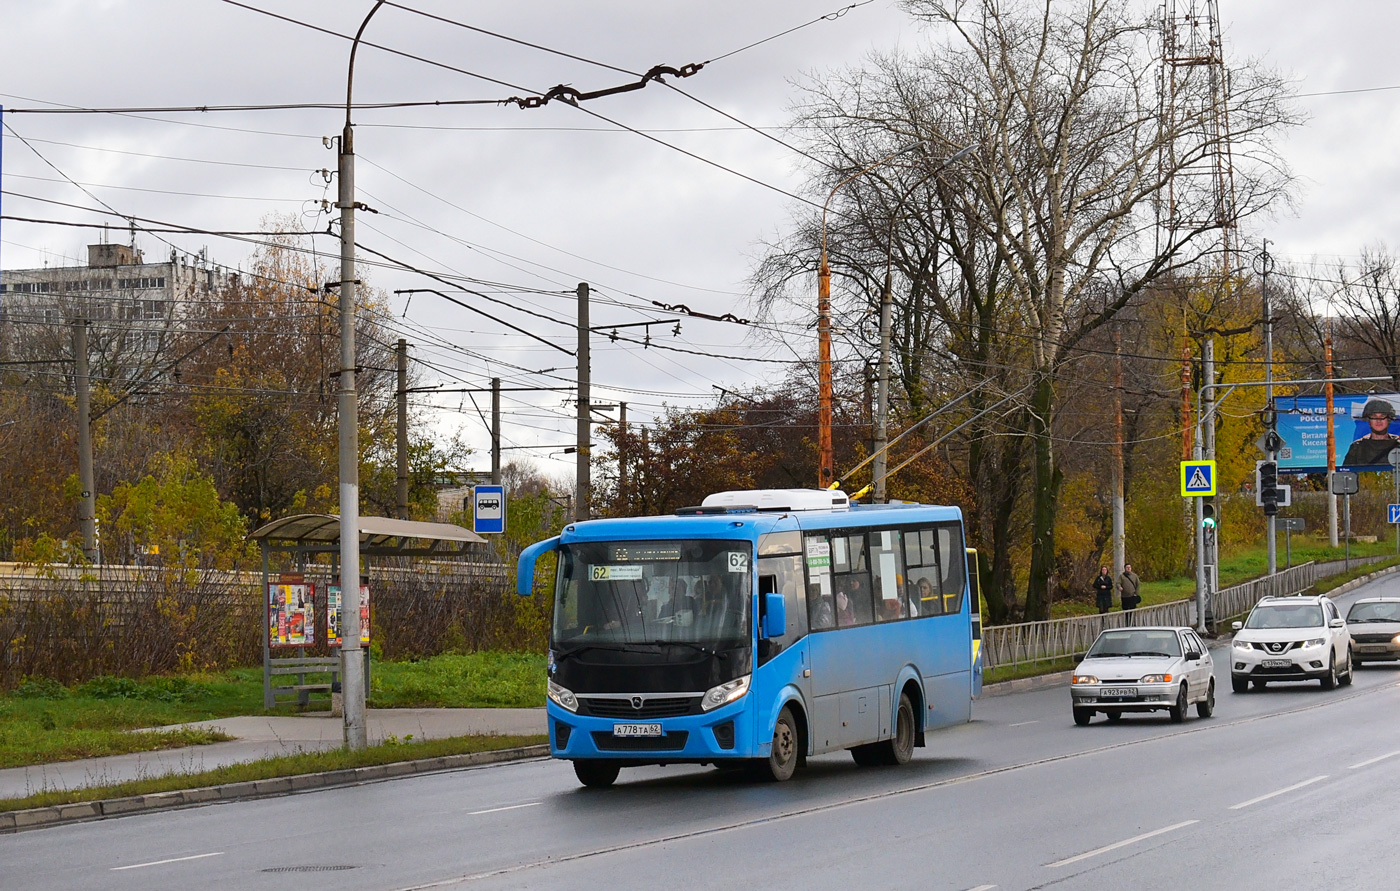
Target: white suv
<point>1291,639</point>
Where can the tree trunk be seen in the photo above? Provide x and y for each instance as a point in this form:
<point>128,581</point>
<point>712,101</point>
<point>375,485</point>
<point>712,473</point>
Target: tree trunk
<point>1044,502</point>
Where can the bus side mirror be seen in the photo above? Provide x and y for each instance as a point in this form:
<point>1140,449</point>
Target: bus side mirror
<point>775,615</point>
<point>525,569</point>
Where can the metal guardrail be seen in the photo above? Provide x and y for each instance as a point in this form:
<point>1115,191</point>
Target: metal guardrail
<point>1029,642</point>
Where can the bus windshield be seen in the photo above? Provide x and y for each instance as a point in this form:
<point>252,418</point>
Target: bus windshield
<point>616,594</point>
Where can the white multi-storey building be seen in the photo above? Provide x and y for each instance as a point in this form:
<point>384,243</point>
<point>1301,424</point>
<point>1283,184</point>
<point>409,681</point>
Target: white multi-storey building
<point>133,307</point>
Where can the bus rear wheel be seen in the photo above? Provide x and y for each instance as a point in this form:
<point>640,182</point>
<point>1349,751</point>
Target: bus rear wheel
<point>784,753</point>
<point>596,774</point>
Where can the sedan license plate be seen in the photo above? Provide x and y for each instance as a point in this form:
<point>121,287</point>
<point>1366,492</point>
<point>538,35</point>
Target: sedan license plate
<point>1278,663</point>
<point>635,730</point>
<point>1117,692</point>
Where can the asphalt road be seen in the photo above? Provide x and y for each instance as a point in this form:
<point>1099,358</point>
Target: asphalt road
<point>1288,788</point>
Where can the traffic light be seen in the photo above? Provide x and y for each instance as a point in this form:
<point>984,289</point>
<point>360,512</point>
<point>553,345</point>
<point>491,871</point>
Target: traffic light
<point>1208,515</point>
<point>1268,487</point>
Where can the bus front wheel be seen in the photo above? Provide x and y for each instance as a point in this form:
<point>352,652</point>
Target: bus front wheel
<point>782,757</point>
<point>596,774</point>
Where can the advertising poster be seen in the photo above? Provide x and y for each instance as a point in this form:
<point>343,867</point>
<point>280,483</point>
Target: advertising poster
<point>1365,428</point>
<point>333,614</point>
<point>291,614</point>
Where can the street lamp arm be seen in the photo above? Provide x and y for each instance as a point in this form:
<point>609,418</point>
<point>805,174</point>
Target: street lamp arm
<point>350,72</point>
<point>861,172</point>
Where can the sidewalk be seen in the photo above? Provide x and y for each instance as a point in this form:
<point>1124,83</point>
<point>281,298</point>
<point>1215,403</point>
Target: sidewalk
<point>267,736</point>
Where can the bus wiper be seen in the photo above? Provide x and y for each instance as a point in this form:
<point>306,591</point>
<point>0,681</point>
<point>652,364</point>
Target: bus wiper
<point>703,650</point>
<point>615,647</point>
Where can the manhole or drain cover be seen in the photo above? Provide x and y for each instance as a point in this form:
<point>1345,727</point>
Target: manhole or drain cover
<point>334,868</point>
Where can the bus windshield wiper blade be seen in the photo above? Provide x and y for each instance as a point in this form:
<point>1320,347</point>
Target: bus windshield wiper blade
<point>684,643</point>
<point>615,646</point>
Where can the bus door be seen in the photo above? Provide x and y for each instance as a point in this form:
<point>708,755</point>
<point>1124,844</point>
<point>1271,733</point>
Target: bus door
<point>850,684</point>
<point>782,661</point>
<point>978,606</point>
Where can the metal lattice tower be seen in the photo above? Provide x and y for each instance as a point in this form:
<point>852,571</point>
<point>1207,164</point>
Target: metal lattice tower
<point>1194,97</point>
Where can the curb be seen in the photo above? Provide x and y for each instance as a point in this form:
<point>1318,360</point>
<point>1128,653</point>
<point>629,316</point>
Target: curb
<point>55,815</point>
<point>1025,685</point>
<point>1347,587</point>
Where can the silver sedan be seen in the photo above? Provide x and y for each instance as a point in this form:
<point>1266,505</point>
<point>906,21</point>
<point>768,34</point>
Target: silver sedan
<point>1374,625</point>
<point>1143,670</point>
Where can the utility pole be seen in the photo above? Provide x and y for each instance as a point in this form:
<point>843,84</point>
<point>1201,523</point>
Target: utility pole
<point>1331,445</point>
<point>1211,538</point>
<point>882,407</point>
<point>87,507</point>
<point>1200,538</point>
<point>622,454</point>
<point>495,431</point>
<point>1265,266</point>
<point>352,665</point>
<point>583,483</point>
<point>401,489</point>
<point>1119,544</point>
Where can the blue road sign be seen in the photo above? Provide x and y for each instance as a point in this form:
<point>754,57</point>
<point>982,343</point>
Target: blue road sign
<point>1392,513</point>
<point>1197,478</point>
<point>488,510</point>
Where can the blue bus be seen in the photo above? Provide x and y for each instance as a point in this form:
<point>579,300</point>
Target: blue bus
<point>759,628</point>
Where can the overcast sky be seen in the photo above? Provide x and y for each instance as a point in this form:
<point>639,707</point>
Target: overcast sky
<point>545,198</point>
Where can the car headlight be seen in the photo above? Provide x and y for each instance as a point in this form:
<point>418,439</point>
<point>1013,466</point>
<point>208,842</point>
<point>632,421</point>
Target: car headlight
<point>1084,679</point>
<point>725,693</point>
<point>1396,640</point>
<point>1243,645</point>
<point>1315,642</point>
<point>563,698</point>
<point>1155,679</point>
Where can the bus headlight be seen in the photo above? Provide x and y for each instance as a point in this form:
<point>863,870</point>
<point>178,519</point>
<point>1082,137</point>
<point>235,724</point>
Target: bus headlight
<point>563,698</point>
<point>724,693</point>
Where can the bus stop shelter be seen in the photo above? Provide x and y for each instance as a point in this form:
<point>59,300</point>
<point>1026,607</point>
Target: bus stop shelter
<point>306,536</point>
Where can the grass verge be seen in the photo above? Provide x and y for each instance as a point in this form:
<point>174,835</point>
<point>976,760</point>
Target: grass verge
<point>1013,672</point>
<point>272,768</point>
<point>42,721</point>
<point>1235,568</point>
<point>1335,581</point>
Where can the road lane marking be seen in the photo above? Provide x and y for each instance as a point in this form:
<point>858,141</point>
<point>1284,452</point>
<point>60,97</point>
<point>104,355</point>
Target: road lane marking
<point>1235,807</point>
<point>1122,844</point>
<point>496,810</point>
<point>983,887</point>
<point>555,860</point>
<point>171,860</point>
<point>1374,760</point>
<point>1022,724</point>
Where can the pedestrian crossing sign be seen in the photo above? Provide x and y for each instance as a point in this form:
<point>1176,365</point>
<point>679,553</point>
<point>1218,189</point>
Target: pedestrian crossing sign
<point>1197,479</point>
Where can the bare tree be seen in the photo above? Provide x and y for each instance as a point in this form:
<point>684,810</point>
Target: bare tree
<point>1051,228</point>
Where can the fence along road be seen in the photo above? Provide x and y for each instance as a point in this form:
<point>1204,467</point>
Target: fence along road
<point>1030,642</point>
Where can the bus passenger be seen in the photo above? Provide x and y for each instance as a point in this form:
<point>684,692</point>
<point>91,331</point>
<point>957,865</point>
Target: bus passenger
<point>819,605</point>
<point>927,599</point>
<point>845,611</point>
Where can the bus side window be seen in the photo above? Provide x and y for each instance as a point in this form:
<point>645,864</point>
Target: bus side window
<point>953,560</point>
<point>922,573</point>
<point>852,580</point>
<point>887,569</point>
<point>821,606</point>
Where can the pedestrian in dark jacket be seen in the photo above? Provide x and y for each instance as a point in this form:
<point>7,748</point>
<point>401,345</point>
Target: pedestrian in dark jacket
<point>1103,590</point>
<point>1128,587</point>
